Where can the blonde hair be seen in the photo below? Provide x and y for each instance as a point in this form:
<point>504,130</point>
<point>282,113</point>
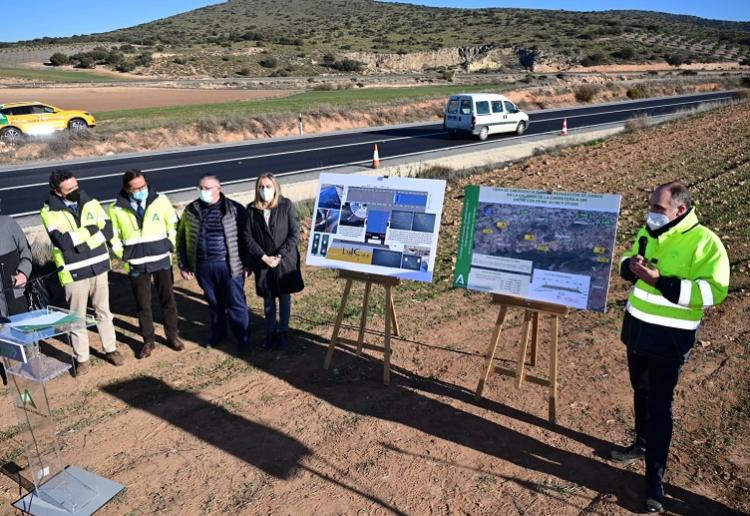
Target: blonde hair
<point>259,203</point>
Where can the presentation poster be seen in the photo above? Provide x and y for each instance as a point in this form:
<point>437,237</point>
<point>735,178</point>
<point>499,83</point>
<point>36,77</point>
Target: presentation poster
<point>555,247</point>
<point>379,225</point>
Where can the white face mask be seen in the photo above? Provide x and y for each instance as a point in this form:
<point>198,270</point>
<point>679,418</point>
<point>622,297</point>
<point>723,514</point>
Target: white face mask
<point>656,220</point>
<point>206,196</point>
<point>267,193</point>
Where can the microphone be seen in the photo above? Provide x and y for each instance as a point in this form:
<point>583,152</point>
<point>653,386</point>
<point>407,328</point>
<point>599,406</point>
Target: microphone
<point>642,243</point>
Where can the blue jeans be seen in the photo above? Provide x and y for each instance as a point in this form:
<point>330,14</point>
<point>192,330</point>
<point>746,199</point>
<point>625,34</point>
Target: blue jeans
<point>226,297</point>
<point>285,310</point>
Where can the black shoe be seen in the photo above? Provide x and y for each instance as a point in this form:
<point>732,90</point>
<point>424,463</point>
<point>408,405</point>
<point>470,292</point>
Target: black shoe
<point>283,341</point>
<point>216,342</point>
<point>271,339</point>
<point>146,350</point>
<point>629,455</point>
<point>654,506</point>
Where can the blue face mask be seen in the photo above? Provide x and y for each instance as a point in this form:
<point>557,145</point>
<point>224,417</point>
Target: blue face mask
<point>656,220</point>
<point>141,195</point>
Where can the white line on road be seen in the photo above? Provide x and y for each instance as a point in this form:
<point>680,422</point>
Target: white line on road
<point>368,142</point>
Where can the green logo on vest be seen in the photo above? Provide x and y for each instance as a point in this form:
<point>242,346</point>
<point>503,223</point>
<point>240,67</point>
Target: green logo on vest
<point>155,218</point>
<point>90,216</point>
<point>27,400</point>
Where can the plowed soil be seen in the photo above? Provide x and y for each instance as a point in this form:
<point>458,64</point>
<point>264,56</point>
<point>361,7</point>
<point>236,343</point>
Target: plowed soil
<point>205,431</point>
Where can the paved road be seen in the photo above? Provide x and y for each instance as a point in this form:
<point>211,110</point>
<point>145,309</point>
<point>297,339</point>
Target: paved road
<point>24,190</point>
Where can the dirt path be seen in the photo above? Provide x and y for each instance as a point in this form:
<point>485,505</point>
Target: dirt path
<point>210,432</point>
<point>112,98</point>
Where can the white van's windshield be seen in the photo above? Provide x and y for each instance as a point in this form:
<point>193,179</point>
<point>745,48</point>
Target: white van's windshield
<point>452,106</point>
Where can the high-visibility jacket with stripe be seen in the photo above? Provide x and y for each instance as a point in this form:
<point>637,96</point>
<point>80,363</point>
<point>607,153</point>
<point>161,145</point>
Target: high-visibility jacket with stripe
<point>694,269</point>
<point>144,243</point>
<point>79,238</point>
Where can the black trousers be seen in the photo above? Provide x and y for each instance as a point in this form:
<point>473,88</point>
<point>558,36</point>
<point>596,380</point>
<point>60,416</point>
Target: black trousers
<point>141,284</point>
<point>653,384</point>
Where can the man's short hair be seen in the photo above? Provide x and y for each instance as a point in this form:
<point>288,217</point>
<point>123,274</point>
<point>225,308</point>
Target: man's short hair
<point>679,193</point>
<point>209,176</point>
<point>57,177</point>
<point>129,175</point>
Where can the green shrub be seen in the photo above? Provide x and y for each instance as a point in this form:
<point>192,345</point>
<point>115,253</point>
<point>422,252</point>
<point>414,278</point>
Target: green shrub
<point>593,60</point>
<point>585,92</point>
<point>269,62</point>
<point>59,59</point>
<point>639,91</point>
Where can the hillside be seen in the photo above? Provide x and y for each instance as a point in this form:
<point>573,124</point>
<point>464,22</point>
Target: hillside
<point>283,37</point>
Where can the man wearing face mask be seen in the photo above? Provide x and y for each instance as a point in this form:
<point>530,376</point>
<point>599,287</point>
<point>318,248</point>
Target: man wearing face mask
<point>79,230</point>
<point>678,268</point>
<point>145,228</point>
<point>211,249</point>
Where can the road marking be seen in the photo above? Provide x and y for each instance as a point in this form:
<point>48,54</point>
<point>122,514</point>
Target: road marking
<point>369,142</point>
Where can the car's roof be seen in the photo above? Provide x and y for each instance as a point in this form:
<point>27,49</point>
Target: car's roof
<point>27,103</point>
<point>496,95</point>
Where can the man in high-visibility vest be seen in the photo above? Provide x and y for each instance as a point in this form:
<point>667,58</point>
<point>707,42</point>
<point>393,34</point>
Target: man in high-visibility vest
<point>145,227</point>
<point>678,268</point>
<point>79,230</point>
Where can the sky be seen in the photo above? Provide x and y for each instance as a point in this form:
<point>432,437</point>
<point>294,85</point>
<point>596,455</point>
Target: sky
<point>68,17</point>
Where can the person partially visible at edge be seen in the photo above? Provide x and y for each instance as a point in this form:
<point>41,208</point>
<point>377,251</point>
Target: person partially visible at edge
<point>15,254</point>
<point>211,249</point>
<point>678,268</point>
<point>271,237</point>
<point>79,229</point>
<point>145,228</point>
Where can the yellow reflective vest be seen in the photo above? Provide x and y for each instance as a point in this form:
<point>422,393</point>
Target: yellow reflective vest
<point>144,243</point>
<point>694,269</point>
<point>79,237</point>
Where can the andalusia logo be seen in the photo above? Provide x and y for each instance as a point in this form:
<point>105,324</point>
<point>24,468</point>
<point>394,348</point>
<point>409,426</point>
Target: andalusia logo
<point>155,218</point>
<point>3,119</point>
<point>27,400</point>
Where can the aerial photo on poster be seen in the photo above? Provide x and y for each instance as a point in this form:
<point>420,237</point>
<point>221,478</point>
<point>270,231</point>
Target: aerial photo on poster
<point>555,247</point>
<point>380,225</point>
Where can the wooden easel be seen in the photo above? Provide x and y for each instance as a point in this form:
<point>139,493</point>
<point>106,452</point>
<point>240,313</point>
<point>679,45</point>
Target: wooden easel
<point>391,322</point>
<point>530,322</point>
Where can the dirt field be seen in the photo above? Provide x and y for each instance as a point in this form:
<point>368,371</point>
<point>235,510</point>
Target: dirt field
<point>210,432</point>
<point>131,97</point>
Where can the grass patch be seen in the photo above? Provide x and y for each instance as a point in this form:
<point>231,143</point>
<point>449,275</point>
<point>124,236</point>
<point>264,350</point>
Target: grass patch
<point>310,101</point>
<point>57,75</point>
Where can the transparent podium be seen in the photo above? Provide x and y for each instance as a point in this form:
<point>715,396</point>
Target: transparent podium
<point>58,489</point>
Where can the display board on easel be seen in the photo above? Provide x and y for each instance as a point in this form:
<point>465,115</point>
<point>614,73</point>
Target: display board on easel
<point>376,231</point>
<point>542,251</point>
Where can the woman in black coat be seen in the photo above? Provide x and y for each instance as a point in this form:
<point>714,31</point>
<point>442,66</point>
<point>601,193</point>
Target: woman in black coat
<point>271,236</point>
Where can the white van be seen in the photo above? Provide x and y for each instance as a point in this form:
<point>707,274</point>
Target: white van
<point>483,114</point>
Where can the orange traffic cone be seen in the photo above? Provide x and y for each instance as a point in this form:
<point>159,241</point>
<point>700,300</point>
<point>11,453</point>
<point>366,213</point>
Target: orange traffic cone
<point>564,131</point>
<point>375,157</point>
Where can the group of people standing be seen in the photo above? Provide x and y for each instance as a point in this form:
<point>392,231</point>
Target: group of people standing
<point>217,241</point>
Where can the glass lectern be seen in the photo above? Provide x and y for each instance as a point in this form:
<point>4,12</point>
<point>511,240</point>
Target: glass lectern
<point>58,489</point>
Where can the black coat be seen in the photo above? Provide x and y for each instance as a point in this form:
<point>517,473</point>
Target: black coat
<point>279,237</point>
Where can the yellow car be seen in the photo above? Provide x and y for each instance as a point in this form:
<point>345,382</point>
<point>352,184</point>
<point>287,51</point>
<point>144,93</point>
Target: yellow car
<point>34,118</point>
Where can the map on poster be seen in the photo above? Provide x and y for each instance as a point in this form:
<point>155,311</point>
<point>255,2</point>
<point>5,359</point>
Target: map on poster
<point>378,225</point>
<point>555,247</point>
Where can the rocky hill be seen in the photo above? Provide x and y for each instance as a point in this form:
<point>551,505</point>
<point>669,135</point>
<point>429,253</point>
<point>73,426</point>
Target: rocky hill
<point>296,37</point>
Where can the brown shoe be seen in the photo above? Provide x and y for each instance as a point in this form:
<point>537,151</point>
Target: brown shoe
<point>176,344</point>
<point>146,350</point>
<point>114,358</point>
<point>81,368</point>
